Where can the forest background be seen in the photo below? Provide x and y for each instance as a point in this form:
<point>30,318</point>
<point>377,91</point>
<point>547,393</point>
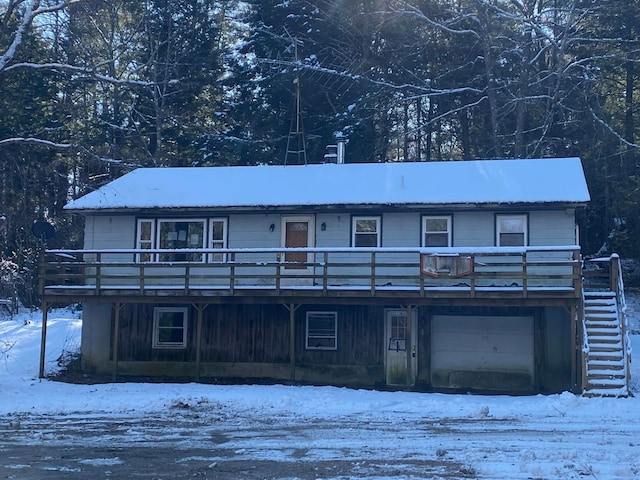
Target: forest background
<point>90,89</point>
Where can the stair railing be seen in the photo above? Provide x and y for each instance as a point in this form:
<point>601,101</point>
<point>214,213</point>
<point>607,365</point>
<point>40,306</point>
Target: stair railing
<point>617,286</point>
<point>585,342</point>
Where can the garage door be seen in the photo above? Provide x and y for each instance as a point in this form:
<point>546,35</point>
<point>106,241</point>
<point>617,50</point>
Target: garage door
<point>482,353</point>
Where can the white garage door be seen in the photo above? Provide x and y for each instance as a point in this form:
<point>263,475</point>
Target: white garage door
<point>483,353</point>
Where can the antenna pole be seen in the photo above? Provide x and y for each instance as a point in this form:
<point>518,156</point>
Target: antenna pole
<point>296,139</point>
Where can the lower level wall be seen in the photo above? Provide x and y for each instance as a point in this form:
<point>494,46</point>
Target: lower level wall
<point>253,342</point>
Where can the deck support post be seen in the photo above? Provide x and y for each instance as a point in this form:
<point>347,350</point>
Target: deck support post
<point>200,310</point>
<point>116,336</point>
<point>576,344</point>
<point>411,349</point>
<point>292,338</point>
<point>43,340</point>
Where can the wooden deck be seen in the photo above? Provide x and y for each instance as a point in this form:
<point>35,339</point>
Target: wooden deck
<point>327,274</point>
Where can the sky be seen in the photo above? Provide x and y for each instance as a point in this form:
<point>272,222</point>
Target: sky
<point>497,437</point>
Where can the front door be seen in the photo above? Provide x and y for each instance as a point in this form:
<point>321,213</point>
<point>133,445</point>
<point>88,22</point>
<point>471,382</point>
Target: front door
<point>400,347</point>
<point>297,232</point>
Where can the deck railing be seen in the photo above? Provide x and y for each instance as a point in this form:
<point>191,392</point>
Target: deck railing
<point>324,271</point>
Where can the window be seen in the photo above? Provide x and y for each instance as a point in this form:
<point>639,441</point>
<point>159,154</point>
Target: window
<point>176,234</point>
<point>398,333</point>
<point>170,327</point>
<point>436,231</point>
<point>322,330</point>
<point>511,230</point>
<point>366,231</point>
<point>145,240</point>
<point>218,238</point>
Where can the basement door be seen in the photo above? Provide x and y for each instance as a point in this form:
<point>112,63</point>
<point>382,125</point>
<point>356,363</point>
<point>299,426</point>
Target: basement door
<point>482,352</point>
<point>297,232</point>
<point>401,360</point>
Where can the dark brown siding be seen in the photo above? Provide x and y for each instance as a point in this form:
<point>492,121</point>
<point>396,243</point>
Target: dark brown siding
<point>245,333</point>
<point>256,334</point>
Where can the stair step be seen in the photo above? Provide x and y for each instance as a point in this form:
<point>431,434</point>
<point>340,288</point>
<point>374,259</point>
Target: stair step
<point>608,326</point>
<point>600,301</point>
<point>601,365</point>
<point>613,393</point>
<point>606,382</point>
<point>608,293</point>
<point>605,339</point>
<point>606,347</point>
<point>596,375</point>
<point>605,351</point>
<point>601,311</point>
<point>604,331</point>
<point>601,316</point>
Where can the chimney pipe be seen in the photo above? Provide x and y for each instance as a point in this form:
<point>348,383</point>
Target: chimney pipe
<point>341,141</point>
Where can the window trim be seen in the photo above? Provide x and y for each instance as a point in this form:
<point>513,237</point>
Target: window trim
<point>225,239</point>
<point>525,223</point>
<point>156,343</point>
<point>448,218</point>
<point>151,242</point>
<point>354,222</point>
<point>307,337</point>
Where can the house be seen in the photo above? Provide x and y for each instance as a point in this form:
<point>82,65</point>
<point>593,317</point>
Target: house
<point>440,276</point>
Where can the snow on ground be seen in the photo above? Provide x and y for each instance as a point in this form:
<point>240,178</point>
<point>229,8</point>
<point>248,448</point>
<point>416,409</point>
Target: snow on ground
<point>496,437</point>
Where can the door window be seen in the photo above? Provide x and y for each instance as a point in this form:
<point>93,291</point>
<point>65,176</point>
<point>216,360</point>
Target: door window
<point>398,332</point>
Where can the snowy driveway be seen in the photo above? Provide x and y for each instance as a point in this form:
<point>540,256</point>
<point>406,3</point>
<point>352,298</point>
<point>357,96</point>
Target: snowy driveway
<point>55,430</point>
<point>359,435</point>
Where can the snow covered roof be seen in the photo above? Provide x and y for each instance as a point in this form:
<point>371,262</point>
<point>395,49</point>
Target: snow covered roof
<point>531,181</point>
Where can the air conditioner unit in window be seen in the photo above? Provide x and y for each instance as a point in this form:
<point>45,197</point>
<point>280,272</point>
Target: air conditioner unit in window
<point>447,265</point>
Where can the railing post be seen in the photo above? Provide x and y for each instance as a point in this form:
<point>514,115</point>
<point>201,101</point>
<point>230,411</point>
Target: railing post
<point>325,273</point>
<point>187,272</point>
<point>472,280</point>
<point>278,272</point>
<point>43,270</point>
<point>373,274</point>
<point>525,283</point>
<point>577,273</point>
<point>232,272</point>
<point>614,272</point>
<point>141,275</point>
<point>98,273</point>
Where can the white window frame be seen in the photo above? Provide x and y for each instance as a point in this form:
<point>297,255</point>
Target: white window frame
<point>207,238</point>
<point>144,243</point>
<point>157,343</point>
<point>311,336</point>
<point>355,233</point>
<point>213,243</point>
<point>520,217</point>
<point>449,230</point>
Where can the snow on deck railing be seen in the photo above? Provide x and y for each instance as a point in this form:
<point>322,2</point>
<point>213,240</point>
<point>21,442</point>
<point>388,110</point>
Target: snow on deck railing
<point>423,250</point>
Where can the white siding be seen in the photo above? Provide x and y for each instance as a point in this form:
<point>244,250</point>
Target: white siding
<point>110,232</point>
<point>337,233</point>
<point>401,230</point>
<point>473,229</point>
<point>470,229</point>
<point>253,231</point>
<point>552,228</point>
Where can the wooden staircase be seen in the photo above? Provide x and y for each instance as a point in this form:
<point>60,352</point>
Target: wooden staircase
<point>605,349</point>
